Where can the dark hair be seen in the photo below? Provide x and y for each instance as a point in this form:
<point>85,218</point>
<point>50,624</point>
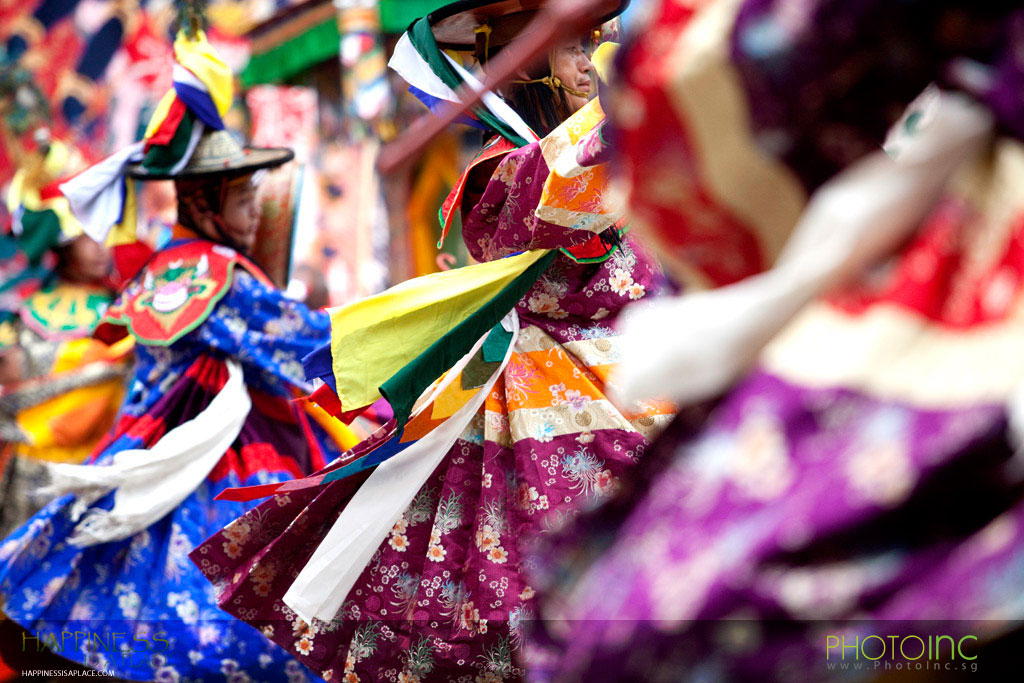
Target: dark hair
<point>65,256</point>
<point>542,108</point>
<point>211,190</point>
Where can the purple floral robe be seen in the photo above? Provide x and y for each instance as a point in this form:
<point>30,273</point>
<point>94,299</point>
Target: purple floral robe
<point>445,597</point>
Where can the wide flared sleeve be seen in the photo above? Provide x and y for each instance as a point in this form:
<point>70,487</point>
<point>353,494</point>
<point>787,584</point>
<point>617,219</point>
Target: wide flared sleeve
<point>546,195</point>
<point>259,326</point>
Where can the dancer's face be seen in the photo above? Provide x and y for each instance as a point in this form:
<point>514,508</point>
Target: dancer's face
<point>240,215</point>
<point>87,260</point>
<point>572,66</point>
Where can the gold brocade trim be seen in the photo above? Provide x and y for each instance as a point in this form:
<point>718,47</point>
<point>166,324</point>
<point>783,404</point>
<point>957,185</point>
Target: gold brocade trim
<point>576,196</point>
<point>496,429</point>
<point>596,352</point>
<point>591,352</point>
<point>578,220</point>
<point>711,102</point>
<point>532,338</point>
<point>564,420</point>
<point>505,427</point>
<point>564,138</point>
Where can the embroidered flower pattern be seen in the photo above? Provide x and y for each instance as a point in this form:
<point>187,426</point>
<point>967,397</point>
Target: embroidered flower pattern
<point>304,646</point>
<point>543,431</point>
<point>586,472</point>
<point>576,400</point>
<point>469,617</point>
<point>436,553</point>
<point>486,538</point>
<point>238,531</point>
<point>262,575</point>
<point>128,600</point>
<point>620,281</point>
<point>507,169</point>
<point>519,377</point>
<point>483,496</point>
<point>530,500</point>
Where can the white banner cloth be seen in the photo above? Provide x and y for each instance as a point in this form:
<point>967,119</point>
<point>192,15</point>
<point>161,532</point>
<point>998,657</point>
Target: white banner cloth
<point>321,587</point>
<point>151,482</point>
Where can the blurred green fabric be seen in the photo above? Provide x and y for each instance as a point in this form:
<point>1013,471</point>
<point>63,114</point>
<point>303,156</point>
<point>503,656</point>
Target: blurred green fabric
<point>320,43</point>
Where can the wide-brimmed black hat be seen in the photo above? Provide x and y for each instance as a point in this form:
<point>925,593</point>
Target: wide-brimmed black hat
<point>455,26</point>
<point>218,152</point>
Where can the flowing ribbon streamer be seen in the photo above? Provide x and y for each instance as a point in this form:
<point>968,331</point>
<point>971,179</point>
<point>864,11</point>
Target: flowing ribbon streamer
<point>387,441</point>
<point>850,222</point>
<point>151,482</point>
<point>495,104</point>
<point>418,57</point>
<point>321,587</point>
<point>419,61</point>
<point>101,197</point>
<point>391,327</point>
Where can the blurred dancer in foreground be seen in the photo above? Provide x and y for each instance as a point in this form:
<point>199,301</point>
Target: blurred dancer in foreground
<point>861,465</point>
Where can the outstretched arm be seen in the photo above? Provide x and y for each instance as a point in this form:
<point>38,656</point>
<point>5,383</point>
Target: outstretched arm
<point>263,328</point>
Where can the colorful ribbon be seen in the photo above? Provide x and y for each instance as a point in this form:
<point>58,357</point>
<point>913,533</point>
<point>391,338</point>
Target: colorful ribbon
<point>201,94</point>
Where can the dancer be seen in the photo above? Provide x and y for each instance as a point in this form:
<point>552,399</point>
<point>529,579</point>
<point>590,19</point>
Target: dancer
<point>420,578</point>
<point>861,473</point>
<point>60,390</point>
<point>211,405</point>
